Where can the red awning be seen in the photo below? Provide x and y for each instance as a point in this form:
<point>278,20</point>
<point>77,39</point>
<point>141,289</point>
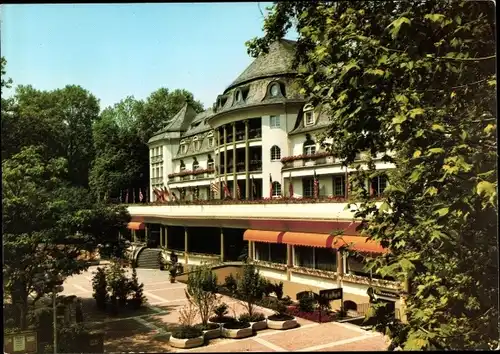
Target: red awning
<point>358,243</point>
<point>136,225</point>
<point>308,239</point>
<point>263,236</point>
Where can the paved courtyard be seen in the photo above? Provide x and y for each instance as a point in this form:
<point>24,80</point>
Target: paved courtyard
<point>136,332</point>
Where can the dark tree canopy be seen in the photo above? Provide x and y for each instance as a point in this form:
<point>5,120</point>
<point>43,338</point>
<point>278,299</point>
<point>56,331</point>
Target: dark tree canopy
<point>417,79</point>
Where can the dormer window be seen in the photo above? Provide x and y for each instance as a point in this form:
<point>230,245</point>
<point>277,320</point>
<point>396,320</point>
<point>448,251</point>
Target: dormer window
<point>237,96</point>
<point>197,143</point>
<point>183,147</point>
<point>308,115</point>
<point>275,90</point>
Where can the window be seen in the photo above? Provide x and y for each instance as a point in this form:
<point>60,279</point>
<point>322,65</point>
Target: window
<point>210,164</point>
<point>316,258</point>
<point>210,142</point>
<point>308,187</point>
<point>308,118</point>
<point>183,148</point>
<point>276,189</point>
<point>275,153</point>
<point>378,185</point>
<point>157,172</point>
<point>183,166</point>
<point>238,96</point>
<point>274,122</point>
<point>275,90</point>
<point>196,165</point>
<point>270,252</point>
<point>339,186</point>
<point>309,146</point>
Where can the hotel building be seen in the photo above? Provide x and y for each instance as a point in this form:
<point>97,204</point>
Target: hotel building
<point>249,177</point>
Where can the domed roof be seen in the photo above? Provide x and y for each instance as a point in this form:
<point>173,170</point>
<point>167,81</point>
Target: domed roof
<point>277,62</point>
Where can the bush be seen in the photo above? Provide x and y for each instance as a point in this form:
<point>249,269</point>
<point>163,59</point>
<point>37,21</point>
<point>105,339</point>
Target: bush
<point>201,291</point>
<point>222,319</point>
<point>207,326</point>
<point>230,283</point>
<point>287,300</point>
<point>307,304</point>
<point>280,317</point>
<point>281,308</point>
<point>42,319</point>
<point>266,287</point>
<point>249,287</point>
<point>72,339</point>
<point>138,298</point>
<point>256,317</point>
<point>186,332</point>
<point>236,325</point>
<point>118,285</point>
<point>278,290</point>
<point>312,316</point>
<point>221,310</point>
<point>99,285</point>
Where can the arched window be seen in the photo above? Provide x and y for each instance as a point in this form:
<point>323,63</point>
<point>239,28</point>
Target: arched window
<point>275,89</point>
<point>309,146</point>
<point>196,165</point>
<point>308,115</point>
<point>276,189</point>
<point>210,163</point>
<point>183,166</point>
<point>275,153</point>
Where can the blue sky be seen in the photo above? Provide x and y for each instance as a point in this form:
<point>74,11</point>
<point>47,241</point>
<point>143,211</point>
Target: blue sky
<point>117,50</point>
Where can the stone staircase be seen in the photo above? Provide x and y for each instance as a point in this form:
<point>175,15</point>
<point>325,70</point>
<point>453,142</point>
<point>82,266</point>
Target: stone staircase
<point>149,258</point>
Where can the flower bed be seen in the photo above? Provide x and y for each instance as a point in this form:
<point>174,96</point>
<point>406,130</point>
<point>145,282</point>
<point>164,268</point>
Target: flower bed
<point>306,156</point>
<point>326,316</point>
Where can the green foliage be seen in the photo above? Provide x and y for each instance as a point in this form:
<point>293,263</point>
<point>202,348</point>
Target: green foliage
<point>100,287</point>
<point>249,287</point>
<point>255,317</point>
<point>117,285</point>
<point>278,290</point>
<point>187,332</point>
<point>307,304</point>
<point>201,291</point>
<point>221,310</point>
<point>266,286</point>
<point>230,283</point>
<point>137,290</point>
<point>417,80</point>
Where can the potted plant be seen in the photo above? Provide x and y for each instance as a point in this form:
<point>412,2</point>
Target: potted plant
<point>281,320</point>
<point>257,320</point>
<point>237,329</point>
<point>201,291</point>
<point>186,335</point>
<point>221,316</point>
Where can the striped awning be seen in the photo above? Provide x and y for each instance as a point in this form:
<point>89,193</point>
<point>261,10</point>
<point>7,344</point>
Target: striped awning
<point>355,243</point>
<point>136,225</point>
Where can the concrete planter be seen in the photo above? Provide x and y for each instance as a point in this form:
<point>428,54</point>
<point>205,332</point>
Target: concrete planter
<point>281,325</point>
<point>258,326</point>
<point>237,333</point>
<point>212,333</point>
<point>186,343</point>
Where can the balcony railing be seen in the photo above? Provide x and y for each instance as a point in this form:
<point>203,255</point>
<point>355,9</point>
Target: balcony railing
<point>192,177</point>
<point>157,180</point>
<point>255,133</point>
<point>328,160</point>
<point>158,158</point>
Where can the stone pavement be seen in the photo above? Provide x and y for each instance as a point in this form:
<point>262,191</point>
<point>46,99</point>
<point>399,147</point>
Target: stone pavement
<point>166,299</point>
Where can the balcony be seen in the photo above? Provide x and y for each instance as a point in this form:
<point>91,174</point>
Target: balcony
<point>305,161</point>
<point>156,159</point>
<point>255,133</point>
<point>255,165</point>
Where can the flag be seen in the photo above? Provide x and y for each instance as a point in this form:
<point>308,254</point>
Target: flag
<point>254,189</point>
<point>290,186</point>
<point>316,185</point>
<point>214,187</point>
<point>141,196</point>
<point>226,189</point>
<point>238,193</point>
<point>126,197</point>
<point>157,196</point>
<point>165,194</point>
<point>270,186</point>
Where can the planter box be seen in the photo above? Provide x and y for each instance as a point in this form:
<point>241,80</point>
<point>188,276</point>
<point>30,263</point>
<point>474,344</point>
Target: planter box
<point>288,324</point>
<point>186,343</point>
<point>237,333</point>
<point>258,326</point>
<point>212,333</point>
<point>309,163</point>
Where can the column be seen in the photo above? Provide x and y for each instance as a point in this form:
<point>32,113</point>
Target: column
<point>186,258</point>
<point>146,232</point>
<point>134,236</point>
<point>225,157</point>
<point>165,234</point>
<point>161,236</point>
<point>340,267</point>
<point>247,163</point>
<point>250,249</point>
<point>219,160</point>
<point>221,244</point>
<point>289,261</point>
<point>235,192</point>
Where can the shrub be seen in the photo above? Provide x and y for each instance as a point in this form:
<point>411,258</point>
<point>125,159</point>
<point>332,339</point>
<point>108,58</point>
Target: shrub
<point>186,332</point>
<point>207,326</point>
<point>71,339</point>
<point>287,300</point>
<point>236,325</point>
<point>221,310</point>
<point>138,298</point>
<point>230,283</point>
<point>99,285</point>
<point>256,317</point>
<point>201,291</point>
<point>266,286</point>
<point>187,315</point>
<point>42,319</point>
<point>79,311</point>
<point>118,284</point>
<point>278,290</point>
<point>280,317</point>
<point>281,308</point>
<point>307,304</point>
<point>249,287</point>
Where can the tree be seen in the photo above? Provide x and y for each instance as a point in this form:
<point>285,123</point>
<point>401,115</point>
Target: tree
<point>45,225</point>
<point>416,79</point>
<point>249,287</point>
<point>202,291</point>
